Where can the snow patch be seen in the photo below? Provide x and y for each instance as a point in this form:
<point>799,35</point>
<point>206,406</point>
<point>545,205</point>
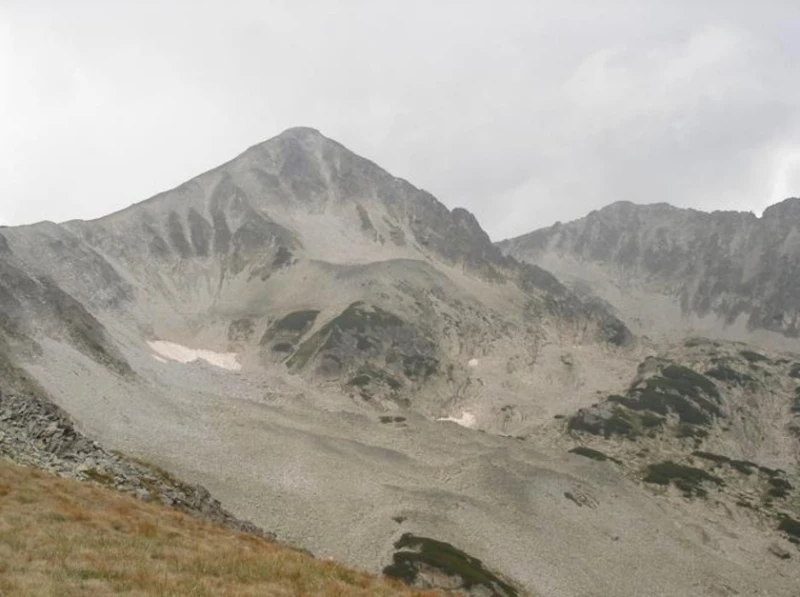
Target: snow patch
<point>183,354</point>
<point>159,359</point>
<point>473,363</point>
<point>467,419</point>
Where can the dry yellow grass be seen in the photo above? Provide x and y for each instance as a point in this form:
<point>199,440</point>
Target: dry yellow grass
<point>64,538</point>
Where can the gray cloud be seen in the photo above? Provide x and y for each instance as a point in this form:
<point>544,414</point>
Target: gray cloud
<point>523,112</point>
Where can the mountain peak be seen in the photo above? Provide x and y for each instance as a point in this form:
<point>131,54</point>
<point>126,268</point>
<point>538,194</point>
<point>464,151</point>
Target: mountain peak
<point>301,131</point>
<point>788,208</point>
<point>298,137</point>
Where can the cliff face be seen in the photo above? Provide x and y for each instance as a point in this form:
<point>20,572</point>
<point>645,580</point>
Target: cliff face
<point>733,268</point>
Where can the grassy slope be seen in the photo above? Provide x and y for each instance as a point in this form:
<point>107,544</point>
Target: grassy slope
<point>61,537</point>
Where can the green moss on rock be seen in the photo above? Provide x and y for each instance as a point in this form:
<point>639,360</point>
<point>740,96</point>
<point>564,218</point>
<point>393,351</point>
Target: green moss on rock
<point>688,479</point>
<point>297,321</point>
<point>593,454</point>
<point>690,381</point>
<point>729,375</point>
<point>620,421</point>
<point>391,419</point>
<point>791,527</point>
<point>779,488</point>
<point>290,328</point>
<point>743,466</point>
<point>369,375</point>
<point>753,357</point>
<point>420,366</point>
<point>419,553</point>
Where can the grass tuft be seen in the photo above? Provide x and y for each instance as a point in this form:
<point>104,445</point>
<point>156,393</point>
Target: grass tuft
<point>61,537</point>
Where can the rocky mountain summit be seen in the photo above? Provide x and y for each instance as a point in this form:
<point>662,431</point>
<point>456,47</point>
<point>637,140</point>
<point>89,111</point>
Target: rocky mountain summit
<point>299,252</point>
<point>344,361</point>
<point>671,270</point>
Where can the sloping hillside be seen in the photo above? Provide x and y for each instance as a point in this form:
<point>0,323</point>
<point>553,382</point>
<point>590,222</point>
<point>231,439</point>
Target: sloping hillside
<point>344,361</point>
<point>65,538</point>
<point>299,255</point>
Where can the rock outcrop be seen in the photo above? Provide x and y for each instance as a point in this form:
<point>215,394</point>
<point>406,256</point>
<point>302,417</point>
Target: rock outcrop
<point>35,432</point>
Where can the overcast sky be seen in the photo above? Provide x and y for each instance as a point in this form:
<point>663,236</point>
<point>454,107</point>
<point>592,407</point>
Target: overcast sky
<point>523,112</point>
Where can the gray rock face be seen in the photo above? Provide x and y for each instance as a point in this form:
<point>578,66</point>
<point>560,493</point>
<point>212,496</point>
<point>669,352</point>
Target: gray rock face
<point>34,305</point>
<point>300,219</point>
<point>729,265</point>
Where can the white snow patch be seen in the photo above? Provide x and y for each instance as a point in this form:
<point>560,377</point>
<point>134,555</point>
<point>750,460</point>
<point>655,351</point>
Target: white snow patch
<point>183,354</point>
<point>473,363</point>
<point>467,419</point>
<point>159,359</point>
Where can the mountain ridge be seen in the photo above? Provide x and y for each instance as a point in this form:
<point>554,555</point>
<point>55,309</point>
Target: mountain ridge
<point>705,264</point>
<point>345,361</point>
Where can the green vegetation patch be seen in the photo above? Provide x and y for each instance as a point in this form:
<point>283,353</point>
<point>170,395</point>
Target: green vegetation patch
<point>753,357</point>
<point>359,321</point>
<point>593,454</point>
<point>743,466</point>
<point>729,375</point>
<point>688,479</point>
<point>360,381</point>
<point>693,397</point>
<point>368,375</point>
<point>622,422</point>
<point>297,321</point>
<point>661,396</point>
<point>791,527</point>
<point>416,553</point>
<point>358,318</point>
<point>290,327</point>
<point>681,391</point>
<point>391,419</point>
<point>779,488</point>
<point>690,381</point>
<point>420,366</point>
<point>688,430</point>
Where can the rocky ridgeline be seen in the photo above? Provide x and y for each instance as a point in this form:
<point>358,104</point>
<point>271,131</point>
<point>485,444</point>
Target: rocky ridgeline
<point>731,264</point>
<point>35,432</point>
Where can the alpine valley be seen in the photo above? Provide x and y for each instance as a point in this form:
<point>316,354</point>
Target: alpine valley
<point>605,407</point>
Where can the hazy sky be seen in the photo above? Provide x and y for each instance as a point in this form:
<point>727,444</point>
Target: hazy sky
<point>523,112</point>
